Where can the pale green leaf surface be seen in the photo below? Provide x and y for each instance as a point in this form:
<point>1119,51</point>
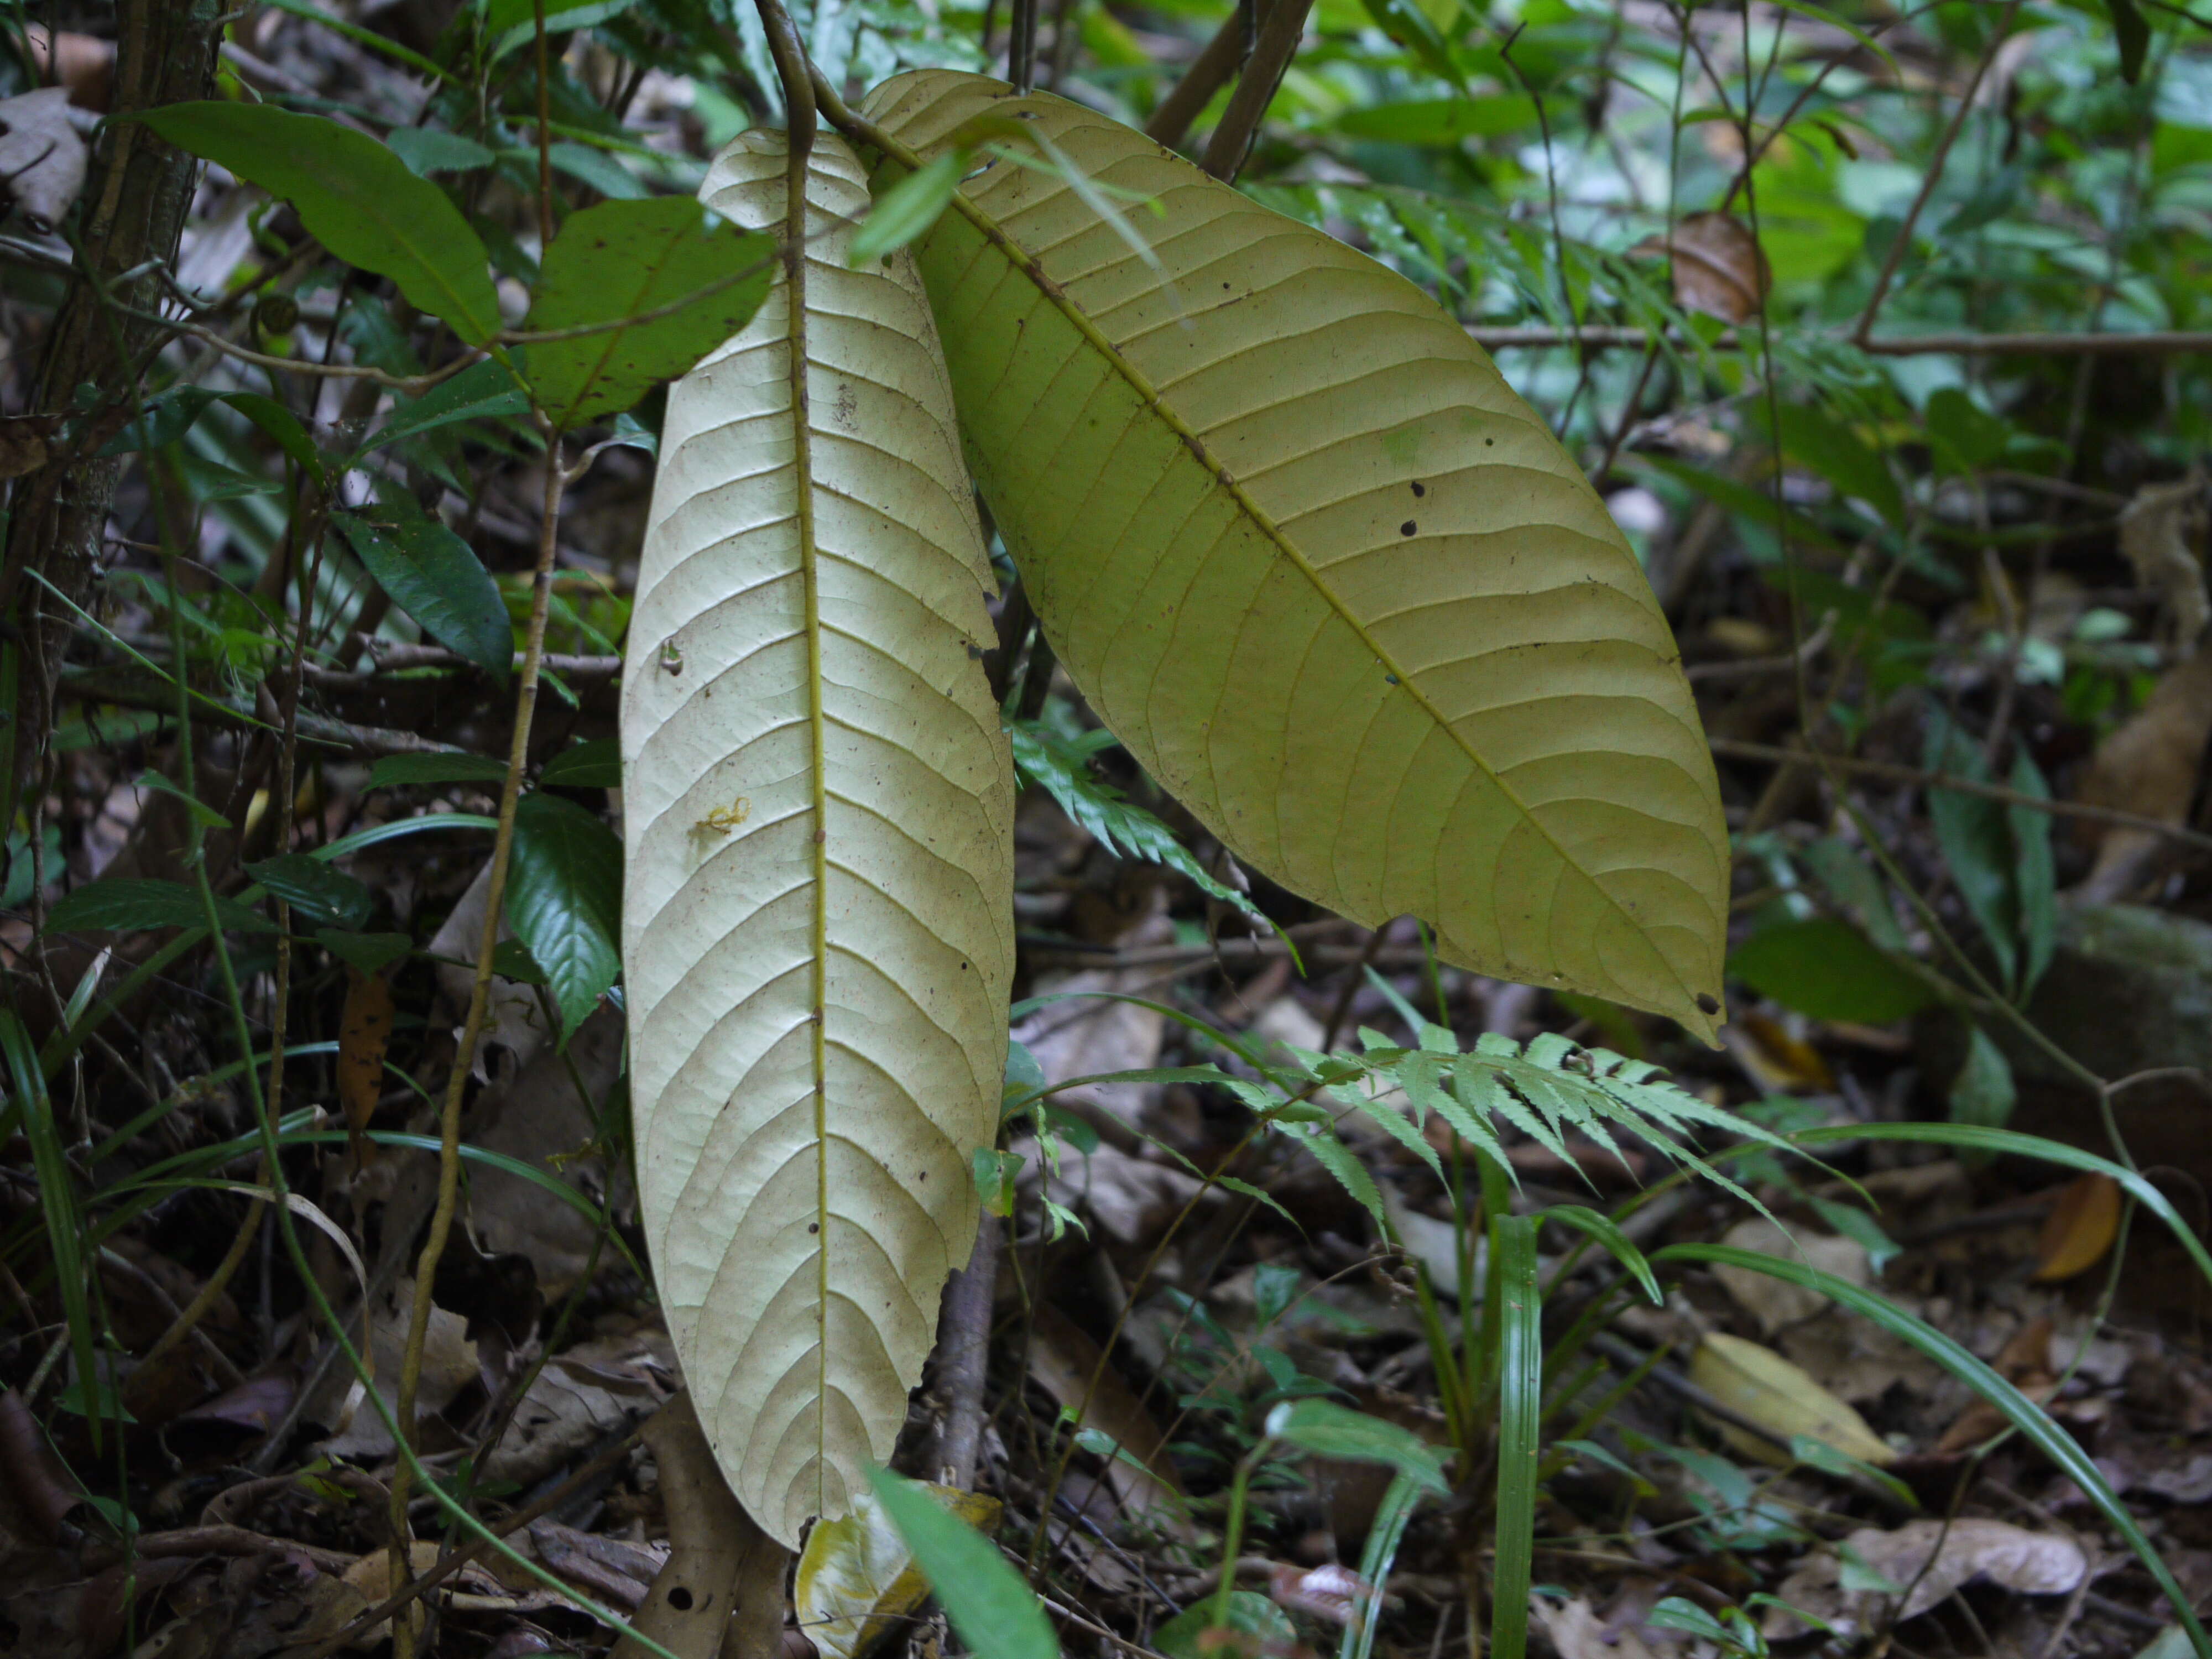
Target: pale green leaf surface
<point>1321,570</point>
<point>817,804</point>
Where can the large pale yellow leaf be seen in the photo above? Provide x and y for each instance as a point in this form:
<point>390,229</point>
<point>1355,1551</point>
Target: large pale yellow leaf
<point>1330,580</point>
<point>818,800</point>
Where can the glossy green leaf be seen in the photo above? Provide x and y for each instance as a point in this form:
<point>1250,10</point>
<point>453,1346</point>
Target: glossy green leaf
<point>132,905</point>
<point>432,575</point>
<point>565,900</point>
<point>512,24</point>
<point>398,771</point>
<point>595,763</point>
<point>996,1614</point>
<point>426,150</point>
<point>1828,968</point>
<point>909,207</point>
<point>2054,1443</point>
<point>310,885</point>
<point>1983,1091</point>
<point>485,391</point>
<point>355,197</point>
<point>370,952</point>
<point>1328,1430</point>
<point>624,260</point>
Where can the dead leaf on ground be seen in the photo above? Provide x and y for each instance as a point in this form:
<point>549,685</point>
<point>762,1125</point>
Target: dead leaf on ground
<point>42,157</point>
<point>1092,1035</point>
<point>1062,1359</point>
<point>2026,1563</point>
<point>1775,1303</point>
<point>580,1397</point>
<point>2080,1228</point>
<point>857,1582</point>
<point>1131,1200</point>
<point>84,64</point>
<point>2156,529</point>
<point>2149,766</point>
<point>449,1364</point>
<point>1718,266</point>
<point>1759,1385</point>
<point>23,440</point>
<point>1577,1632</point>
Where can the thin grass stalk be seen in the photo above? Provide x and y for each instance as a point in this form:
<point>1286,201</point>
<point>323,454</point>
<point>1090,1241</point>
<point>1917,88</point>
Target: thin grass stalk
<point>1517,1318</point>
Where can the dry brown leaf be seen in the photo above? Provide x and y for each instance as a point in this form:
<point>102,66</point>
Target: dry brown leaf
<point>1774,1302</point>
<point>2027,1562</point>
<point>1578,1633</point>
<point>83,63</point>
<point>1718,266</point>
<point>364,1033</point>
<point>449,1364</point>
<point>2149,766</point>
<point>581,1396</point>
<point>23,442</point>
<point>2156,529</point>
<point>1062,1359</point>
<point>2080,1228</point>
<point>42,157</point>
<point>1759,1383</point>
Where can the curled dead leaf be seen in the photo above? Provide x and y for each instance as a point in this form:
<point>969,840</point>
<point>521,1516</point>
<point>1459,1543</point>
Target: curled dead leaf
<point>1759,1385</point>
<point>856,1581</point>
<point>42,157</point>
<point>2149,766</point>
<point>2027,1562</point>
<point>2080,1228</point>
<point>2156,531</point>
<point>364,1032</point>
<point>1775,1303</point>
<point>1718,266</point>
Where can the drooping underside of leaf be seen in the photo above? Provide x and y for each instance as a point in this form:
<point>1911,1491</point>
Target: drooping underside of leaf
<point>817,931</point>
<point>1322,571</point>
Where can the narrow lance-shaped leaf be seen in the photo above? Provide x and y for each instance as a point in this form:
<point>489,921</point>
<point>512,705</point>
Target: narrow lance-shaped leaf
<point>818,802</point>
<point>1319,570</point>
<point>625,260</point>
<point>432,575</point>
<point>355,197</point>
<point>565,900</point>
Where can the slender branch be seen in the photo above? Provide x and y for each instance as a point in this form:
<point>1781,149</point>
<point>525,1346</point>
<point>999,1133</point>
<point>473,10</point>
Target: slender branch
<point>1932,177</point>
<point>449,1151</point>
<point>1255,88</point>
<point>1730,749</point>
<point>967,1350</point>
<point>1208,73</point>
<point>2067,344</point>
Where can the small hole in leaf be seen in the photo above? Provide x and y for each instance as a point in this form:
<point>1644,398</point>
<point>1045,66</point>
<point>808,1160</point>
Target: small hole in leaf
<point>813,1226</point>
<point>1419,490</point>
<point>680,1599</point>
<point>1708,1003</point>
<point>1408,528</point>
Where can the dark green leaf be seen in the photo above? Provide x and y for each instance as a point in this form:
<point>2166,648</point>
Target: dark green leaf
<point>394,771</point>
<point>1982,1092</point>
<point>427,150</point>
<point>1976,836</point>
<point>431,574</point>
<point>998,1615</point>
<point>370,952</point>
<point>593,764</point>
<point>1972,436</point>
<point>2035,878</point>
<point>1520,1407</point>
<point>908,208</point>
<point>1829,970</point>
<point>625,259</point>
<point>135,904</point>
<point>281,424</point>
<point>1616,1242</point>
<point>565,900</point>
<point>355,197</point>
<point>1328,1430</point>
<point>311,885</point>
<point>597,169</point>
<point>480,392</point>
<point>56,1192</point>
<point>511,959</point>
<point>206,815</point>
<point>1813,439</point>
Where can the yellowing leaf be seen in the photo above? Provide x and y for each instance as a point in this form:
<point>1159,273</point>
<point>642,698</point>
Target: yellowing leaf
<point>817,934</point>
<point>2080,1228</point>
<point>1321,570</point>
<point>856,1581</point>
<point>364,1031</point>
<point>1760,1384</point>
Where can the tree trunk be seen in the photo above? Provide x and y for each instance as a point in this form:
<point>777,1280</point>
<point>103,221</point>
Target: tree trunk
<point>132,211</point>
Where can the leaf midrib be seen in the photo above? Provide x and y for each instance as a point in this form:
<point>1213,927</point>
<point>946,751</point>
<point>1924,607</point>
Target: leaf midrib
<point>992,233</point>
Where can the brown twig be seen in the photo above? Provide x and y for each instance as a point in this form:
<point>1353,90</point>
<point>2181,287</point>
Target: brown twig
<point>1208,73</point>
<point>1731,749</point>
<point>1601,337</point>
<point>1233,139</point>
<point>967,1348</point>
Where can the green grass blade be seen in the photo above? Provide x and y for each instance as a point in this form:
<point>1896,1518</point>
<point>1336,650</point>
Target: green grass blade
<point>57,1199</point>
<point>2011,1143</point>
<point>1399,1501</point>
<point>2022,1413</point>
<point>1617,1244</point>
<point>1520,1403</point>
